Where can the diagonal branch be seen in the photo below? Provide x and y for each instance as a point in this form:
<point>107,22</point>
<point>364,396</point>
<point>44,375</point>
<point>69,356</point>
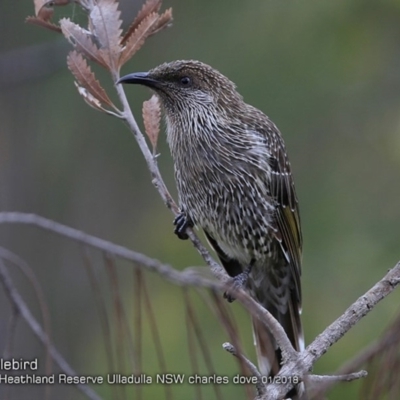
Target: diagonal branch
<point>359,309</point>
<point>19,304</point>
<point>151,264</point>
<point>366,355</point>
<point>354,313</point>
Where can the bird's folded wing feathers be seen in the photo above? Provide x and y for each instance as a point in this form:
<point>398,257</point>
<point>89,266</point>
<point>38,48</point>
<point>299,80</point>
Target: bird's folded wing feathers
<point>287,212</point>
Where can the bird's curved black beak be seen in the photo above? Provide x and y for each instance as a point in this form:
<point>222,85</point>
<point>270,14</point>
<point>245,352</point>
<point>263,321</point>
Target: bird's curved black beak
<point>139,78</point>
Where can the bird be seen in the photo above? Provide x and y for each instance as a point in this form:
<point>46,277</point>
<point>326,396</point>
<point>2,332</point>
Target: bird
<point>234,181</point>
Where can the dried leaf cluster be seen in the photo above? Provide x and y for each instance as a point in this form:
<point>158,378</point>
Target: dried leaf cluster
<point>103,42</point>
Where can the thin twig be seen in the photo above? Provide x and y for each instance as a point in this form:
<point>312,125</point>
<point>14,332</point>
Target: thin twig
<point>252,368</point>
<point>276,329</point>
<point>17,302</point>
<point>231,349</point>
<point>26,269</point>
<point>354,313</point>
<point>169,273</point>
<point>321,379</point>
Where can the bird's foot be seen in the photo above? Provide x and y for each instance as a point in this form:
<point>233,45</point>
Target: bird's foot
<point>182,222</point>
<point>239,282</point>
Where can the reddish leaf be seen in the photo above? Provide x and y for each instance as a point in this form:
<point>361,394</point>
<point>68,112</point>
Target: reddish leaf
<point>137,39</point>
<point>151,117</point>
<point>44,11</point>
<point>164,21</point>
<point>89,98</point>
<point>149,7</point>
<point>43,23</point>
<point>44,8</point>
<point>87,80</point>
<point>82,40</point>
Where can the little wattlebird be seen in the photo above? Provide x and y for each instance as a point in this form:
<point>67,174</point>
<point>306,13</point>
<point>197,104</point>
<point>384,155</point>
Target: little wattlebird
<point>234,181</point>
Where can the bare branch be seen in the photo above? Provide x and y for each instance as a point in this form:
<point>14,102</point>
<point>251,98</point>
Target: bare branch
<point>276,329</point>
<point>319,379</point>
<point>26,269</point>
<point>354,313</point>
<point>252,368</point>
<point>19,304</point>
<point>169,273</point>
<point>335,331</point>
<point>318,384</point>
<point>231,349</point>
<point>359,360</point>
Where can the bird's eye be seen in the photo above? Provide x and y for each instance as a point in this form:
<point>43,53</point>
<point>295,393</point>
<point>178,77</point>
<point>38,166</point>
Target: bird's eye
<point>185,81</point>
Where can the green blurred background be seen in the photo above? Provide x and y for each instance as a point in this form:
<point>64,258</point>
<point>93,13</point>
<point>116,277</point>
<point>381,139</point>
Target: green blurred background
<point>326,72</point>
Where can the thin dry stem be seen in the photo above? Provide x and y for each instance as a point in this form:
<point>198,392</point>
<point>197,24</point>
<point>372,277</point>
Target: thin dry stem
<point>320,379</point>
<point>19,304</point>
<point>231,349</point>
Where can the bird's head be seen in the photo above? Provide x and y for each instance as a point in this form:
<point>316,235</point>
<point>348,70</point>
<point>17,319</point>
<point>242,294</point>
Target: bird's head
<point>186,84</point>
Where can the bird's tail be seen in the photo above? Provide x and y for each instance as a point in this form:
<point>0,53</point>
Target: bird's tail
<point>269,355</point>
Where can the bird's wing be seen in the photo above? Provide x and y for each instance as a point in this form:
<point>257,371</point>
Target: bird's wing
<point>287,210</point>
